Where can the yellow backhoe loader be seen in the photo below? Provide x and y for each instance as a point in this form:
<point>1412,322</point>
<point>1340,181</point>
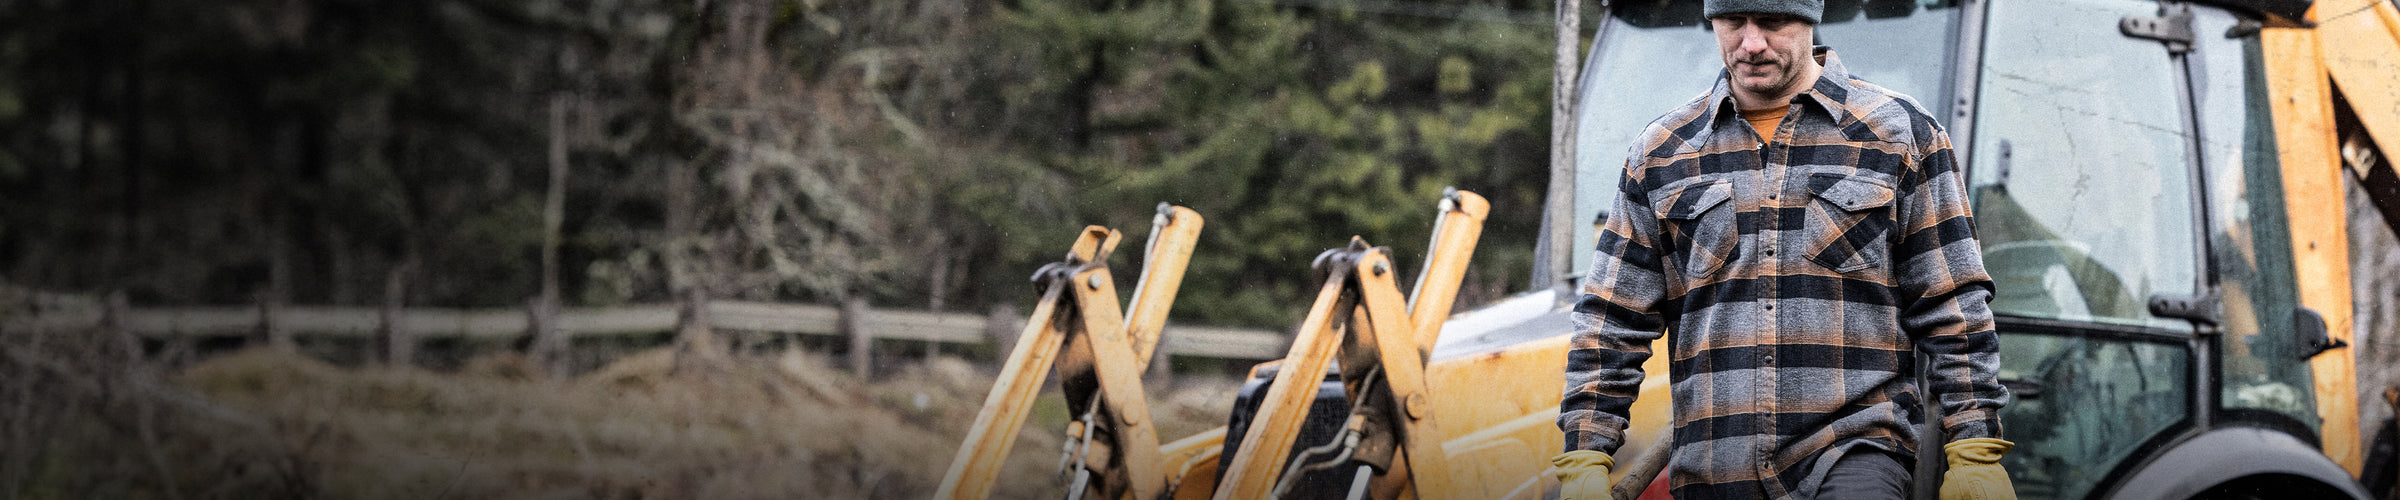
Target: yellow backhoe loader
<point>2158,186</point>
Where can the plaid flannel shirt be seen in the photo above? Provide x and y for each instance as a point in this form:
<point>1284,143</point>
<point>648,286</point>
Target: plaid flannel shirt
<point>1794,280</point>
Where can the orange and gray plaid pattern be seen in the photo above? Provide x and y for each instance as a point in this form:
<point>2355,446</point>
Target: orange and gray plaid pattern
<point>1794,280</point>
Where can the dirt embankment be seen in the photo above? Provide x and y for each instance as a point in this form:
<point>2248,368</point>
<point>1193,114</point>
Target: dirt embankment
<point>264,424</point>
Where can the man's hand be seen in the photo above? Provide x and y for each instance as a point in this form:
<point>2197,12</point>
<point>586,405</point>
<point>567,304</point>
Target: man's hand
<point>1583,474</point>
<point>1975,472</point>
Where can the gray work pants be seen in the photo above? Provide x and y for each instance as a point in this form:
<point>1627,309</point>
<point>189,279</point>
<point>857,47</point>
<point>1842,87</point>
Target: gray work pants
<point>1866,473</point>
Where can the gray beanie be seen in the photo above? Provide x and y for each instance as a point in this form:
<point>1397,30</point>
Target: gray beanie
<point>1812,10</point>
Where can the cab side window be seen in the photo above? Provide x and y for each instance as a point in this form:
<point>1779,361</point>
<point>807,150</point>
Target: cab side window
<point>2263,375</point>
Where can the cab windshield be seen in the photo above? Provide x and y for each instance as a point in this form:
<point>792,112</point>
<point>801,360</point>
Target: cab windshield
<point>1652,56</point>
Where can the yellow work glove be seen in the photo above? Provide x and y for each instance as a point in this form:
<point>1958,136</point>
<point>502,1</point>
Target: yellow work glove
<point>1582,474</point>
<point>1975,472</point>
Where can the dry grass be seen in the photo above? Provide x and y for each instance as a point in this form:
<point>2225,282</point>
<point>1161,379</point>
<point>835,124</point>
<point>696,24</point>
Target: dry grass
<point>81,418</point>
<point>785,426</point>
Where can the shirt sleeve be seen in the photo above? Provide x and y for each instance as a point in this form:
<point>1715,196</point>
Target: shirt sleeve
<point>1616,318</point>
<point>1946,294</point>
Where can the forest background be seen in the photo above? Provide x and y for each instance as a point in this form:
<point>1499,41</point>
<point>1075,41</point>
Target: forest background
<point>499,154</point>
<point>920,154</point>
<point>496,154</point>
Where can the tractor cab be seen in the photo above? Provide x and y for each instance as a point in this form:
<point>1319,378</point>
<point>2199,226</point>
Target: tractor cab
<point>2122,160</point>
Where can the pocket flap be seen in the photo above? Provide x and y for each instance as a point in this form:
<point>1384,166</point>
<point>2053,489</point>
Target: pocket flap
<point>1851,192</point>
<point>1693,200</point>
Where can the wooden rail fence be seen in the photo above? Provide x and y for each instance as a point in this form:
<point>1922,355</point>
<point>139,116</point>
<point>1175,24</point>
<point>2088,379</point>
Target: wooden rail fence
<point>808,319</point>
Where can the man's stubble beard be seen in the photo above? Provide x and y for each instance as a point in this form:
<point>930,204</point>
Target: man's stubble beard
<point>1783,80</point>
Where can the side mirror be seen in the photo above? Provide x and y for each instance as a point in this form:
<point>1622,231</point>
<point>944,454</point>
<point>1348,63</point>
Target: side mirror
<point>2314,339</point>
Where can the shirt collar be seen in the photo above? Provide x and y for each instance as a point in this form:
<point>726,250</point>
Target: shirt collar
<point>1830,92</point>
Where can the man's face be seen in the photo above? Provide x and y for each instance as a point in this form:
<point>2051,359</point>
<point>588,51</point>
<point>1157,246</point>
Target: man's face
<point>1763,52</point>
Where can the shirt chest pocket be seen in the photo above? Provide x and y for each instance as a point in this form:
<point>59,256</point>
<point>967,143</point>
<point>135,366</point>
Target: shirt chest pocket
<point>1703,226</point>
<point>1851,221</point>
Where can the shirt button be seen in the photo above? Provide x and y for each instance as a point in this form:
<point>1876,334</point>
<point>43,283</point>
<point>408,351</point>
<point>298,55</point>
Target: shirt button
<point>1770,307</point>
<point>1770,253</point>
<point>1770,197</point>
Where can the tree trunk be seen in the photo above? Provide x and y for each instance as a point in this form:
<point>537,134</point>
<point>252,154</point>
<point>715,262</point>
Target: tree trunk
<point>1558,214</point>
<point>549,344</point>
<point>937,280</point>
<point>340,262</point>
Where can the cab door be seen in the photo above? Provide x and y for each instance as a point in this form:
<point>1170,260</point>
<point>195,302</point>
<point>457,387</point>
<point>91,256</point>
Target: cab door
<point>2128,197</point>
<point>2082,172</point>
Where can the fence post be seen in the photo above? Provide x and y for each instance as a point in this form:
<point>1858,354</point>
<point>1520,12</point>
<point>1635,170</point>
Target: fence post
<point>113,320</point>
<point>695,336</point>
<point>1002,328</point>
<point>545,345</point>
<point>854,325</point>
<point>270,321</point>
<point>937,285</point>
<point>1161,374</point>
<point>399,345</point>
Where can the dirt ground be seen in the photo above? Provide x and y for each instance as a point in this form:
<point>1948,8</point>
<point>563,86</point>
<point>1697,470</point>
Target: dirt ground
<point>265,424</point>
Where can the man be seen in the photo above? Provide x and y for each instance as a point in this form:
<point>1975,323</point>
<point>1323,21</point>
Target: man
<point>1797,236</point>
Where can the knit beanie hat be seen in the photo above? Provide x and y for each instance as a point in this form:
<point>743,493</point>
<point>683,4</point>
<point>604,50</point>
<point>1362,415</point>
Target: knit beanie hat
<point>1812,10</point>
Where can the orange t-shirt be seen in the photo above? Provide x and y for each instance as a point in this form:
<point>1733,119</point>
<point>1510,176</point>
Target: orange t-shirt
<point>1765,120</point>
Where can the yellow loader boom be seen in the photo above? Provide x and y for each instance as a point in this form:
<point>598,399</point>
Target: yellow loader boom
<point>1382,341</point>
<point>1100,355</point>
<point>1382,337</point>
<point>2353,45</point>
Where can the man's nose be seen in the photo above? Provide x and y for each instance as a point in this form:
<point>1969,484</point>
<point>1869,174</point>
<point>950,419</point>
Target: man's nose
<point>1754,40</point>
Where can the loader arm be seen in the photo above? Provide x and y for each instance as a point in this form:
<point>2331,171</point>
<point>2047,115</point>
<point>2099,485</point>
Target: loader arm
<point>2347,61</point>
<point>1099,352</point>
<point>1382,341</point>
<point>2360,40</point>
